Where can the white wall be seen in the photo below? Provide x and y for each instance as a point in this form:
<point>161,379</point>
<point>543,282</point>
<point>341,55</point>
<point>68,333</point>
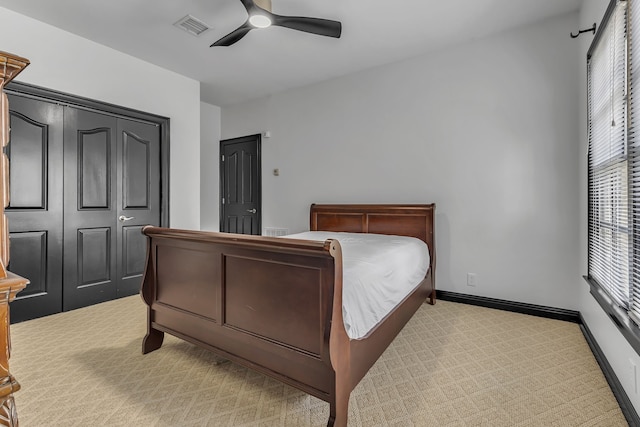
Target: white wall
<point>615,347</point>
<point>209,167</point>
<point>68,63</point>
<point>487,130</point>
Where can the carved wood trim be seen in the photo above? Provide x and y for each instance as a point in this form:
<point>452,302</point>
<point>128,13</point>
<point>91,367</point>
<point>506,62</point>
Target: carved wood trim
<point>10,66</point>
<point>10,284</point>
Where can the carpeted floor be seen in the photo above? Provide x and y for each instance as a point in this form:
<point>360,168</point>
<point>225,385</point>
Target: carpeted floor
<point>452,365</point>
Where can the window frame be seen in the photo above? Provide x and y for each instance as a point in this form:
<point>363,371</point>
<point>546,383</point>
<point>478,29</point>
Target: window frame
<point>618,314</point>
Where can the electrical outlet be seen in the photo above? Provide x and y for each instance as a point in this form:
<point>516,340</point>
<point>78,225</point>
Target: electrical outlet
<point>633,376</point>
<point>472,279</point>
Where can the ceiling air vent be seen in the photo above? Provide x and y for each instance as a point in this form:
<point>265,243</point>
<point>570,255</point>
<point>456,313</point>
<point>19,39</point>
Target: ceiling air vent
<point>192,25</point>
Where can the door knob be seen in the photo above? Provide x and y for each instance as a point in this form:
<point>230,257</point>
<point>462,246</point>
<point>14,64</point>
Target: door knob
<point>252,210</point>
<point>123,218</point>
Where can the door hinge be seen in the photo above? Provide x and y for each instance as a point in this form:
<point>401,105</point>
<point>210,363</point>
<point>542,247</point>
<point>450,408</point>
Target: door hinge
<point>223,157</point>
<point>223,200</point>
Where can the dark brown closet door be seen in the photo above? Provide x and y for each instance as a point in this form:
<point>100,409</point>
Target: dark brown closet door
<point>35,211</point>
<point>138,202</point>
<point>90,210</point>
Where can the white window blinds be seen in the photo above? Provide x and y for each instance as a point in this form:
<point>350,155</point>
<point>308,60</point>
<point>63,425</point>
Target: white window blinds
<point>610,234</point>
<point>634,153</point>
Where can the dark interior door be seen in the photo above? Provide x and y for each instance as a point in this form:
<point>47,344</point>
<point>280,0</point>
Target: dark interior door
<point>90,229</point>
<point>83,184</point>
<point>35,211</point>
<point>112,190</point>
<point>138,202</point>
<point>240,182</point>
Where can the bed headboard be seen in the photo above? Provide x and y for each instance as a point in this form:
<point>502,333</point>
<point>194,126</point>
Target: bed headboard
<point>401,220</point>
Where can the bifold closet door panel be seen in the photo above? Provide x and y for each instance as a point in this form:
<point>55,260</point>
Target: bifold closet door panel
<point>83,184</point>
<point>138,182</point>
<point>35,209</point>
<point>90,208</point>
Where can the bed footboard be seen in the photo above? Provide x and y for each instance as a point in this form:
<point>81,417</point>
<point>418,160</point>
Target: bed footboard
<point>264,303</point>
<point>275,305</point>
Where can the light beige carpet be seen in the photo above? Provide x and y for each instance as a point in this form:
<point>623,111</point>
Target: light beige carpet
<point>452,365</point>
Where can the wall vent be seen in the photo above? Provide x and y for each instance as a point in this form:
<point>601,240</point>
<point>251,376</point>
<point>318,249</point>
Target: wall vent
<point>275,232</point>
<point>192,25</point>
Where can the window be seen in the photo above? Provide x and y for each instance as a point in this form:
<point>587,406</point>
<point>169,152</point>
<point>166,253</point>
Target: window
<point>609,231</point>
<point>613,75</point>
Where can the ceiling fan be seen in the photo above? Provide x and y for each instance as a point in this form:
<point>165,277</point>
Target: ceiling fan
<point>260,16</point>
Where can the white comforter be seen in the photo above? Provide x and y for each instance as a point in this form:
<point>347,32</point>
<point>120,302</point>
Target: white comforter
<point>378,273</point>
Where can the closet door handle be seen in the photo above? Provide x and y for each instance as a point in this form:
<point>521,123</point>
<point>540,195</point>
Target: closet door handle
<point>123,218</point>
<point>252,210</point>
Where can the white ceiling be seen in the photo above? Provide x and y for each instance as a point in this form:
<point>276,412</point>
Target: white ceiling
<point>374,32</point>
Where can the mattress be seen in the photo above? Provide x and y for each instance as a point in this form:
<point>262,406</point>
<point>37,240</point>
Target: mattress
<point>379,271</point>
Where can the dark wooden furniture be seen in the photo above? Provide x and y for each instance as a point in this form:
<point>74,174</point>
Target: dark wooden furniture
<point>275,305</point>
<point>10,284</point>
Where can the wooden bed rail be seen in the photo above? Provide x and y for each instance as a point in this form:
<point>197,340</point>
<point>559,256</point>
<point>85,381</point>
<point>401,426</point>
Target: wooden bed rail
<point>240,240</point>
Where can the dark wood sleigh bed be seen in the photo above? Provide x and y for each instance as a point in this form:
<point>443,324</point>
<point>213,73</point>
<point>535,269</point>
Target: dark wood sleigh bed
<point>275,305</point>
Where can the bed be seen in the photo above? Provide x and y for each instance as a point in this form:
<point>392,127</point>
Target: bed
<point>275,305</point>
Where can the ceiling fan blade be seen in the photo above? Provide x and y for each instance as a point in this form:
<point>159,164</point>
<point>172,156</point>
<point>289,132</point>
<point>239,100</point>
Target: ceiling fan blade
<point>248,4</point>
<point>322,27</point>
<point>234,36</point>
